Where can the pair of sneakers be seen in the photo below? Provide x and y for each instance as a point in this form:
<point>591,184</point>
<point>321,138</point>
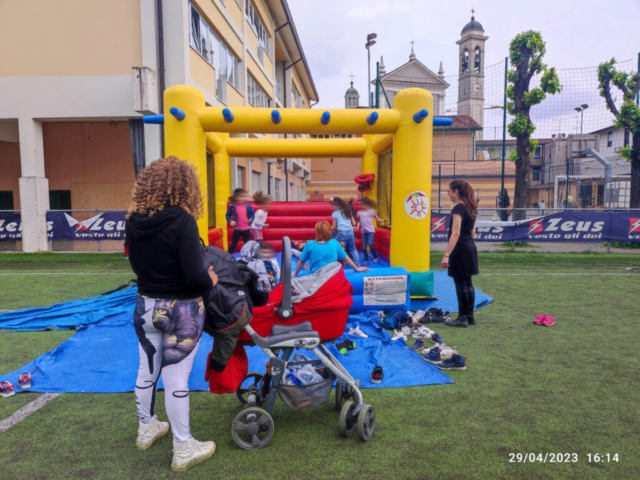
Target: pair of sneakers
<point>402,333</point>
<point>185,454</point>
<point>344,346</point>
<point>435,315</point>
<point>439,352</point>
<point>544,320</point>
<point>7,389</point>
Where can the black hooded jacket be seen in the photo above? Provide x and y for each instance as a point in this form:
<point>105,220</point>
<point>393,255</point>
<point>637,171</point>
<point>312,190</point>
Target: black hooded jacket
<point>166,255</point>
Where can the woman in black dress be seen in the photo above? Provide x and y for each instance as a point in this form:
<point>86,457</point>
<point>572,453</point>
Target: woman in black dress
<point>461,255</point>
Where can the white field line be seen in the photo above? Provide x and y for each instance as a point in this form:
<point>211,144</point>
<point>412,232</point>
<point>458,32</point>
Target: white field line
<point>25,411</point>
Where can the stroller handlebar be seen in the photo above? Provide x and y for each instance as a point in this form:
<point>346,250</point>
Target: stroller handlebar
<point>286,308</point>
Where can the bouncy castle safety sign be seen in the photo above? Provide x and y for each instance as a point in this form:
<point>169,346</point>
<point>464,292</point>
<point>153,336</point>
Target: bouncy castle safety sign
<point>391,290</point>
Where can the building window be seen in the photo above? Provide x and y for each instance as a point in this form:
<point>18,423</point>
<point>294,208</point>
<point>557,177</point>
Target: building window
<point>258,27</point>
<point>6,200</point>
<point>255,182</point>
<point>241,181</point>
<point>536,173</point>
<point>610,139</point>
<point>537,153</point>
<point>204,40</point>
<point>297,98</point>
<point>59,199</point>
<point>255,95</point>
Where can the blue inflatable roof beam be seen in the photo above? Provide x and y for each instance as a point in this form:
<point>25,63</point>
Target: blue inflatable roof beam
<point>324,119</point>
<point>442,121</point>
<point>275,116</point>
<point>418,117</point>
<point>179,114</point>
<point>153,119</point>
<point>228,116</point>
<point>372,118</point>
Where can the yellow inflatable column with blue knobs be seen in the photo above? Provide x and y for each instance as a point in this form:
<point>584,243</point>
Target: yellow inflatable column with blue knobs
<point>185,138</point>
<point>410,202</point>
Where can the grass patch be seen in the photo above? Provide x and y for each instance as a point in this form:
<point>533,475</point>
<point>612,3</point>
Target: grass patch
<point>526,389</point>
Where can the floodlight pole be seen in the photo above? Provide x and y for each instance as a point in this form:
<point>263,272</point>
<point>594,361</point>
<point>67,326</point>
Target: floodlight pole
<point>504,132</point>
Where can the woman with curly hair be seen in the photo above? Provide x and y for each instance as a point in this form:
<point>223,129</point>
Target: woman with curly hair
<point>166,256</point>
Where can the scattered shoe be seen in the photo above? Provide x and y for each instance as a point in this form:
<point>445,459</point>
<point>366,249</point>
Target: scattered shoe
<point>398,334</point>
<point>417,315</point>
<point>418,345</point>
<point>377,375</point>
<point>435,338</point>
<point>447,351</point>
<point>422,332</point>
<point>24,382</point>
<point>456,362</point>
<point>548,320</point>
<point>356,332</point>
<point>189,453</point>
<point>6,389</point>
<point>150,432</point>
<point>438,316</point>
<point>539,319</point>
<point>433,355</point>
<point>344,346</point>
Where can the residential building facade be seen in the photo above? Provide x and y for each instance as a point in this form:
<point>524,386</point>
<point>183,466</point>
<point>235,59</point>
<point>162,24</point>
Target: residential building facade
<point>73,94</point>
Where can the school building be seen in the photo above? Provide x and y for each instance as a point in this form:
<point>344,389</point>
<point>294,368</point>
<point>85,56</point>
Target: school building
<point>73,92</point>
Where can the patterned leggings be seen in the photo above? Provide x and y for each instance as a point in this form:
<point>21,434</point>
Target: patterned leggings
<point>168,332</point>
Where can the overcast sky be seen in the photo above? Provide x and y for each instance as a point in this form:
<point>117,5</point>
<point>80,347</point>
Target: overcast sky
<point>579,33</point>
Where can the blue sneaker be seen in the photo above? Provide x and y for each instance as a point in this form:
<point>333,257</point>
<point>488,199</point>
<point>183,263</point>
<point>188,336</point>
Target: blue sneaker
<point>435,338</point>
<point>432,355</point>
<point>418,345</point>
<point>456,362</point>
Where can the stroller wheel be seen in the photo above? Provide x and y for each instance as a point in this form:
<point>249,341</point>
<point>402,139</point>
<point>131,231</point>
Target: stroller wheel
<point>347,421</point>
<point>366,422</point>
<point>252,428</point>
<point>243,392</point>
<point>343,392</point>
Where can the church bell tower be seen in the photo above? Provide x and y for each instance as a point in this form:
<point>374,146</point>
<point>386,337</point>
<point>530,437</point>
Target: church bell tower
<point>471,71</point>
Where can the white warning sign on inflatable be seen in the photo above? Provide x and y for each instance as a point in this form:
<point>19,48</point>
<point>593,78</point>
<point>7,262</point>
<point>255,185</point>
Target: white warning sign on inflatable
<point>391,290</point>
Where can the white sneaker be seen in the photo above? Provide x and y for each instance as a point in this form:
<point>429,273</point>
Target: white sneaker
<point>186,454</point>
<point>447,352</point>
<point>150,432</point>
<point>421,332</point>
<point>356,332</point>
<point>398,334</point>
<point>406,331</point>
<point>417,315</point>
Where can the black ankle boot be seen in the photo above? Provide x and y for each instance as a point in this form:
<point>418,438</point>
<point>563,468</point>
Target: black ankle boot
<point>471,295</point>
<point>463,301</point>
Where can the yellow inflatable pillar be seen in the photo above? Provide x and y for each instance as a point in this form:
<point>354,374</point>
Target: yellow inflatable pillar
<point>185,138</point>
<point>410,202</point>
<point>370,165</point>
<point>222,165</point>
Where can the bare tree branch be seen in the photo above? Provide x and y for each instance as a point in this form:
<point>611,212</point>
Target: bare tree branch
<point>620,85</point>
<point>636,87</point>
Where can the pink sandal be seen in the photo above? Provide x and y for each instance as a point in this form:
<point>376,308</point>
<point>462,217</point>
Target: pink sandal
<point>539,319</point>
<point>548,320</point>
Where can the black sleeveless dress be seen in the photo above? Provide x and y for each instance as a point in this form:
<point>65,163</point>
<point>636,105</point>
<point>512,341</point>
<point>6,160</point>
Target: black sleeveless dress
<point>463,261</point>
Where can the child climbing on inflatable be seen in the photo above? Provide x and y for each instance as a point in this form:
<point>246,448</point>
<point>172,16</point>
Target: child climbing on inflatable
<point>270,263</point>
<point>365,219</point>
<point>239,215</point>
<point>344,224</point>
<point>263,202</point>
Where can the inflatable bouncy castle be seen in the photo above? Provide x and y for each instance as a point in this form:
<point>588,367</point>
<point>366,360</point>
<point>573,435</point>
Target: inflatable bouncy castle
<point>191,128</point>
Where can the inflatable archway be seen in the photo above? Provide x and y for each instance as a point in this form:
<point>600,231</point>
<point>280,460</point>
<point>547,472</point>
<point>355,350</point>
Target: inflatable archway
<point>192,128</point>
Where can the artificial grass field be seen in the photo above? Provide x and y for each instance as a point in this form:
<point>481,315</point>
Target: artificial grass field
<point>570,388</point>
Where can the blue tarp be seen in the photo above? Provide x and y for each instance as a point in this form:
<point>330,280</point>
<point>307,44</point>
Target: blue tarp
<point>103,355</point>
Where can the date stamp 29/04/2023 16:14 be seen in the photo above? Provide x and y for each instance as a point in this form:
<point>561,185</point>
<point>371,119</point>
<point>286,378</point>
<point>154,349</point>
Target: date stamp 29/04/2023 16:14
<point>563,457</point>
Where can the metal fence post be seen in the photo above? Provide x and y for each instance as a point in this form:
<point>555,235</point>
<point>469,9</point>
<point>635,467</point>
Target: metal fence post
<point>439,183</point>
<point>609,247</point>
<point>504,130</point>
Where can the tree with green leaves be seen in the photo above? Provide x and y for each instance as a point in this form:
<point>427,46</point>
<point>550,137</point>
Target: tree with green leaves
<point>525,53</point>
<point>627,117</point>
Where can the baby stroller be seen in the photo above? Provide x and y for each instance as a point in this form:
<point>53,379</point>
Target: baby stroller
<point>278,329</point>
